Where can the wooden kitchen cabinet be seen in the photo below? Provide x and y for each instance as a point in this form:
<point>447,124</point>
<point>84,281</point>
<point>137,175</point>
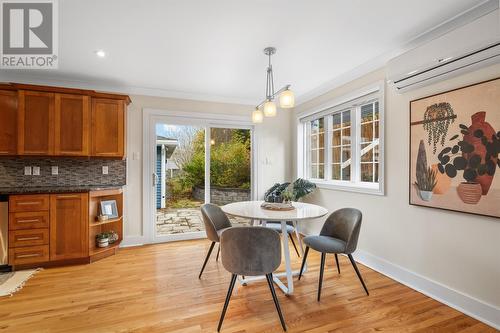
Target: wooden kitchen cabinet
<point>8,122</point>
<point>108,127</point>
<point>35,123</point>
<point>69,226</point>
<point>72,125</point>
<point>56,121</point>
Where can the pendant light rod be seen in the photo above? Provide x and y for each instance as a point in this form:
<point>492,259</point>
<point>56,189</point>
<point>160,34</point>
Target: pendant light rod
<point>274,95</point>
<point>286,97</point>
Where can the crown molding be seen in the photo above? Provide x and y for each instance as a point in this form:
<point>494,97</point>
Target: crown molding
<point>122,89</point>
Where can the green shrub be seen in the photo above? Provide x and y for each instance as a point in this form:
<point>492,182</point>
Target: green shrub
<point>229,163</point>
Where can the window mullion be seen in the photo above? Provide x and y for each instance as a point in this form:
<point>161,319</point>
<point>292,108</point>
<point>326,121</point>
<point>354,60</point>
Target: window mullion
<point>308,168</point>
<point>328,147</point>
<point>356,143</point>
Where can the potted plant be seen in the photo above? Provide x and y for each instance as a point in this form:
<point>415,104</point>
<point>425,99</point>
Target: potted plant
<point>426,181</point>
<point>287,195</point>
<point>301,188</point>
<point>476,155</point>
<point>102,239</point>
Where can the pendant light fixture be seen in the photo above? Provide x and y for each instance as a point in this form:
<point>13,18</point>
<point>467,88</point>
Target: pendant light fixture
<point>286,96</point>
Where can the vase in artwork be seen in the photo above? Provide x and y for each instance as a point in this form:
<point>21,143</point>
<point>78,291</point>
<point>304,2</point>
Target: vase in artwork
<point>443,182</point>
<point>478,131</point>
<point>470,193</point>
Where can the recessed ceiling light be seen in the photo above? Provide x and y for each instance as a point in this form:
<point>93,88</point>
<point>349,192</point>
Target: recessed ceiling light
<point>100,53</point>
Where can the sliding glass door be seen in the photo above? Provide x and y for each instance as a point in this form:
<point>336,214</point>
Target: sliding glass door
<point>195,162</point>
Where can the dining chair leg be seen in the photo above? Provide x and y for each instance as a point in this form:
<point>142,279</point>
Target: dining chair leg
<point>218,252</point>
<point>337,261</point>
<point>294,246</point>
<point>322,268</point>
<point>358,273</point>
<point>228,297</point>
<point>269,278</point>
<point>303,261</point>
<point>206,259</point>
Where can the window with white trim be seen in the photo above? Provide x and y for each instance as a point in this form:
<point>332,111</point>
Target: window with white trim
<point>342,145</point>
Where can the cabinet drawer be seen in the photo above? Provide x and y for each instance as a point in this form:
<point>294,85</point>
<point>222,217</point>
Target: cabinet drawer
<point>20,238</point>
<point>28,203</point>
<point>28,220</point>
<point>28,255</point>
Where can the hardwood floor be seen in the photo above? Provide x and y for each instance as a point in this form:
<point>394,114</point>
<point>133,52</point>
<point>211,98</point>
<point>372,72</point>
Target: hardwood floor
<point>156,289</point>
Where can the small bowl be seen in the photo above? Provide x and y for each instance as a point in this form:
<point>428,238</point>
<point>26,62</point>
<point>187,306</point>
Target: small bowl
<point>102,218</point>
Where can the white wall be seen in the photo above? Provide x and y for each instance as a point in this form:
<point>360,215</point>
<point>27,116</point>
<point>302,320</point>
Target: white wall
<point>458,251</point>
<point>273,139</point>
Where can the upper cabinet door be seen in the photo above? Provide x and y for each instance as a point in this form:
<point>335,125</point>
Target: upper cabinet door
<point>108,127</point>
<point>72,125</point>
<point>8,122</point>
<point>35,123</point>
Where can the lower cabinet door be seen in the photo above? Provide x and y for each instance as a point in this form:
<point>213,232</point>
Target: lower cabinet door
<point>69,226</point>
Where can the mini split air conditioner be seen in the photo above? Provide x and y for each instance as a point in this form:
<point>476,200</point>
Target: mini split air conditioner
<point>469,47</point>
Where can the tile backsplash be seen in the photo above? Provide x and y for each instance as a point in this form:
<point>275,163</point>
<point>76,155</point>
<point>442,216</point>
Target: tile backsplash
<point>72,172</point>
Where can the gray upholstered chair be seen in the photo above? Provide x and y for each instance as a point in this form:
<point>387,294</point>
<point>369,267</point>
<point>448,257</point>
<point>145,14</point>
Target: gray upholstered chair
<point>215,221</point>
<point>339,235</point>
<point>290,229</point>
<point>251,251</point>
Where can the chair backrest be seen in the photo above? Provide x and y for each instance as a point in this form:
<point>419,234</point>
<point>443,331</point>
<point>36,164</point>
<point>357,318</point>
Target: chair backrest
<point>250,251</point>
<point>214,219</point>
<point>344,224</point>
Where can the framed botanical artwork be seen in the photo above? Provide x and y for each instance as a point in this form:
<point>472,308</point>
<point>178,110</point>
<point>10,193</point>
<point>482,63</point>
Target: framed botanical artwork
<point>454,148</point>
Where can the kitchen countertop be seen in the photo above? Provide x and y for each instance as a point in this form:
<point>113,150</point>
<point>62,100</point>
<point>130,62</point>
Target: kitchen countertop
<point>56,189</point>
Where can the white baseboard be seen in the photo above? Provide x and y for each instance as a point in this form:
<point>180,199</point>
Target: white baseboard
<point>129,241</point>
<point>484,312</point>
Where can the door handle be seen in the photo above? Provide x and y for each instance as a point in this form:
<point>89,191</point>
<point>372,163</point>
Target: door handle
<point>155,179</point>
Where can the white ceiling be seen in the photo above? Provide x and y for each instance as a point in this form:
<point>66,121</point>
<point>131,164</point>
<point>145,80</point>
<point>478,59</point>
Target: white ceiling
<point>213,49</point>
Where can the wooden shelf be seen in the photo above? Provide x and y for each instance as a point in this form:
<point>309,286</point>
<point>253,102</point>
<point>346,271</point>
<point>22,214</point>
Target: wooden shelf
<point>106,222</point>
<point>95,227</point>
<point>98,250</point>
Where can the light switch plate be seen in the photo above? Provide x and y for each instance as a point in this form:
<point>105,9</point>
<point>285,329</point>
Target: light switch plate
<point>27,171</point>
<point>36,171</point>
<point>55,170</point>
<point>105,169</point>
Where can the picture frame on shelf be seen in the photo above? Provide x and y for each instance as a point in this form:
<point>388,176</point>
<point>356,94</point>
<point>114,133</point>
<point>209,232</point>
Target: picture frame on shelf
<point>108,208</point>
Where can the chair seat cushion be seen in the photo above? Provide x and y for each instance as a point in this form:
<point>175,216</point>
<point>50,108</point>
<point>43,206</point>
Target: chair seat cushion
<point>277,227</point>
<point>325,244</point>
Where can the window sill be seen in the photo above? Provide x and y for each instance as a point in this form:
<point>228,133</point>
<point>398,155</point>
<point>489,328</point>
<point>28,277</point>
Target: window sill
<point>366,188</point>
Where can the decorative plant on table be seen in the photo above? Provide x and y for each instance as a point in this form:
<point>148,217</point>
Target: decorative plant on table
<point>426,181</point>
<point>476,155</point>
<point>288,195</point>
<point>299,188</point>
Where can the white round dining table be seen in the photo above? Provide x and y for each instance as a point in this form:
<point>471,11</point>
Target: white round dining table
<point>302,212</point>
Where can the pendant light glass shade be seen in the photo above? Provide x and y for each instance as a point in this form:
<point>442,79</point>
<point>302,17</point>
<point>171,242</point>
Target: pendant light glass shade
<point>287,99</point>
<point>257,116</point>
<point>269,109</point>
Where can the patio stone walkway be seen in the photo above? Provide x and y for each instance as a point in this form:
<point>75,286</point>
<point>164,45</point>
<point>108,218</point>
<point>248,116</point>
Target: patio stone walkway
<point>184,220</point>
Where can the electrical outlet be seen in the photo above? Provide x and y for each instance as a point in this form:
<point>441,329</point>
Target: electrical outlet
<point>55,170</point>
<point>27,171</point>
<point>36,171</point>
<point>105,169</point>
